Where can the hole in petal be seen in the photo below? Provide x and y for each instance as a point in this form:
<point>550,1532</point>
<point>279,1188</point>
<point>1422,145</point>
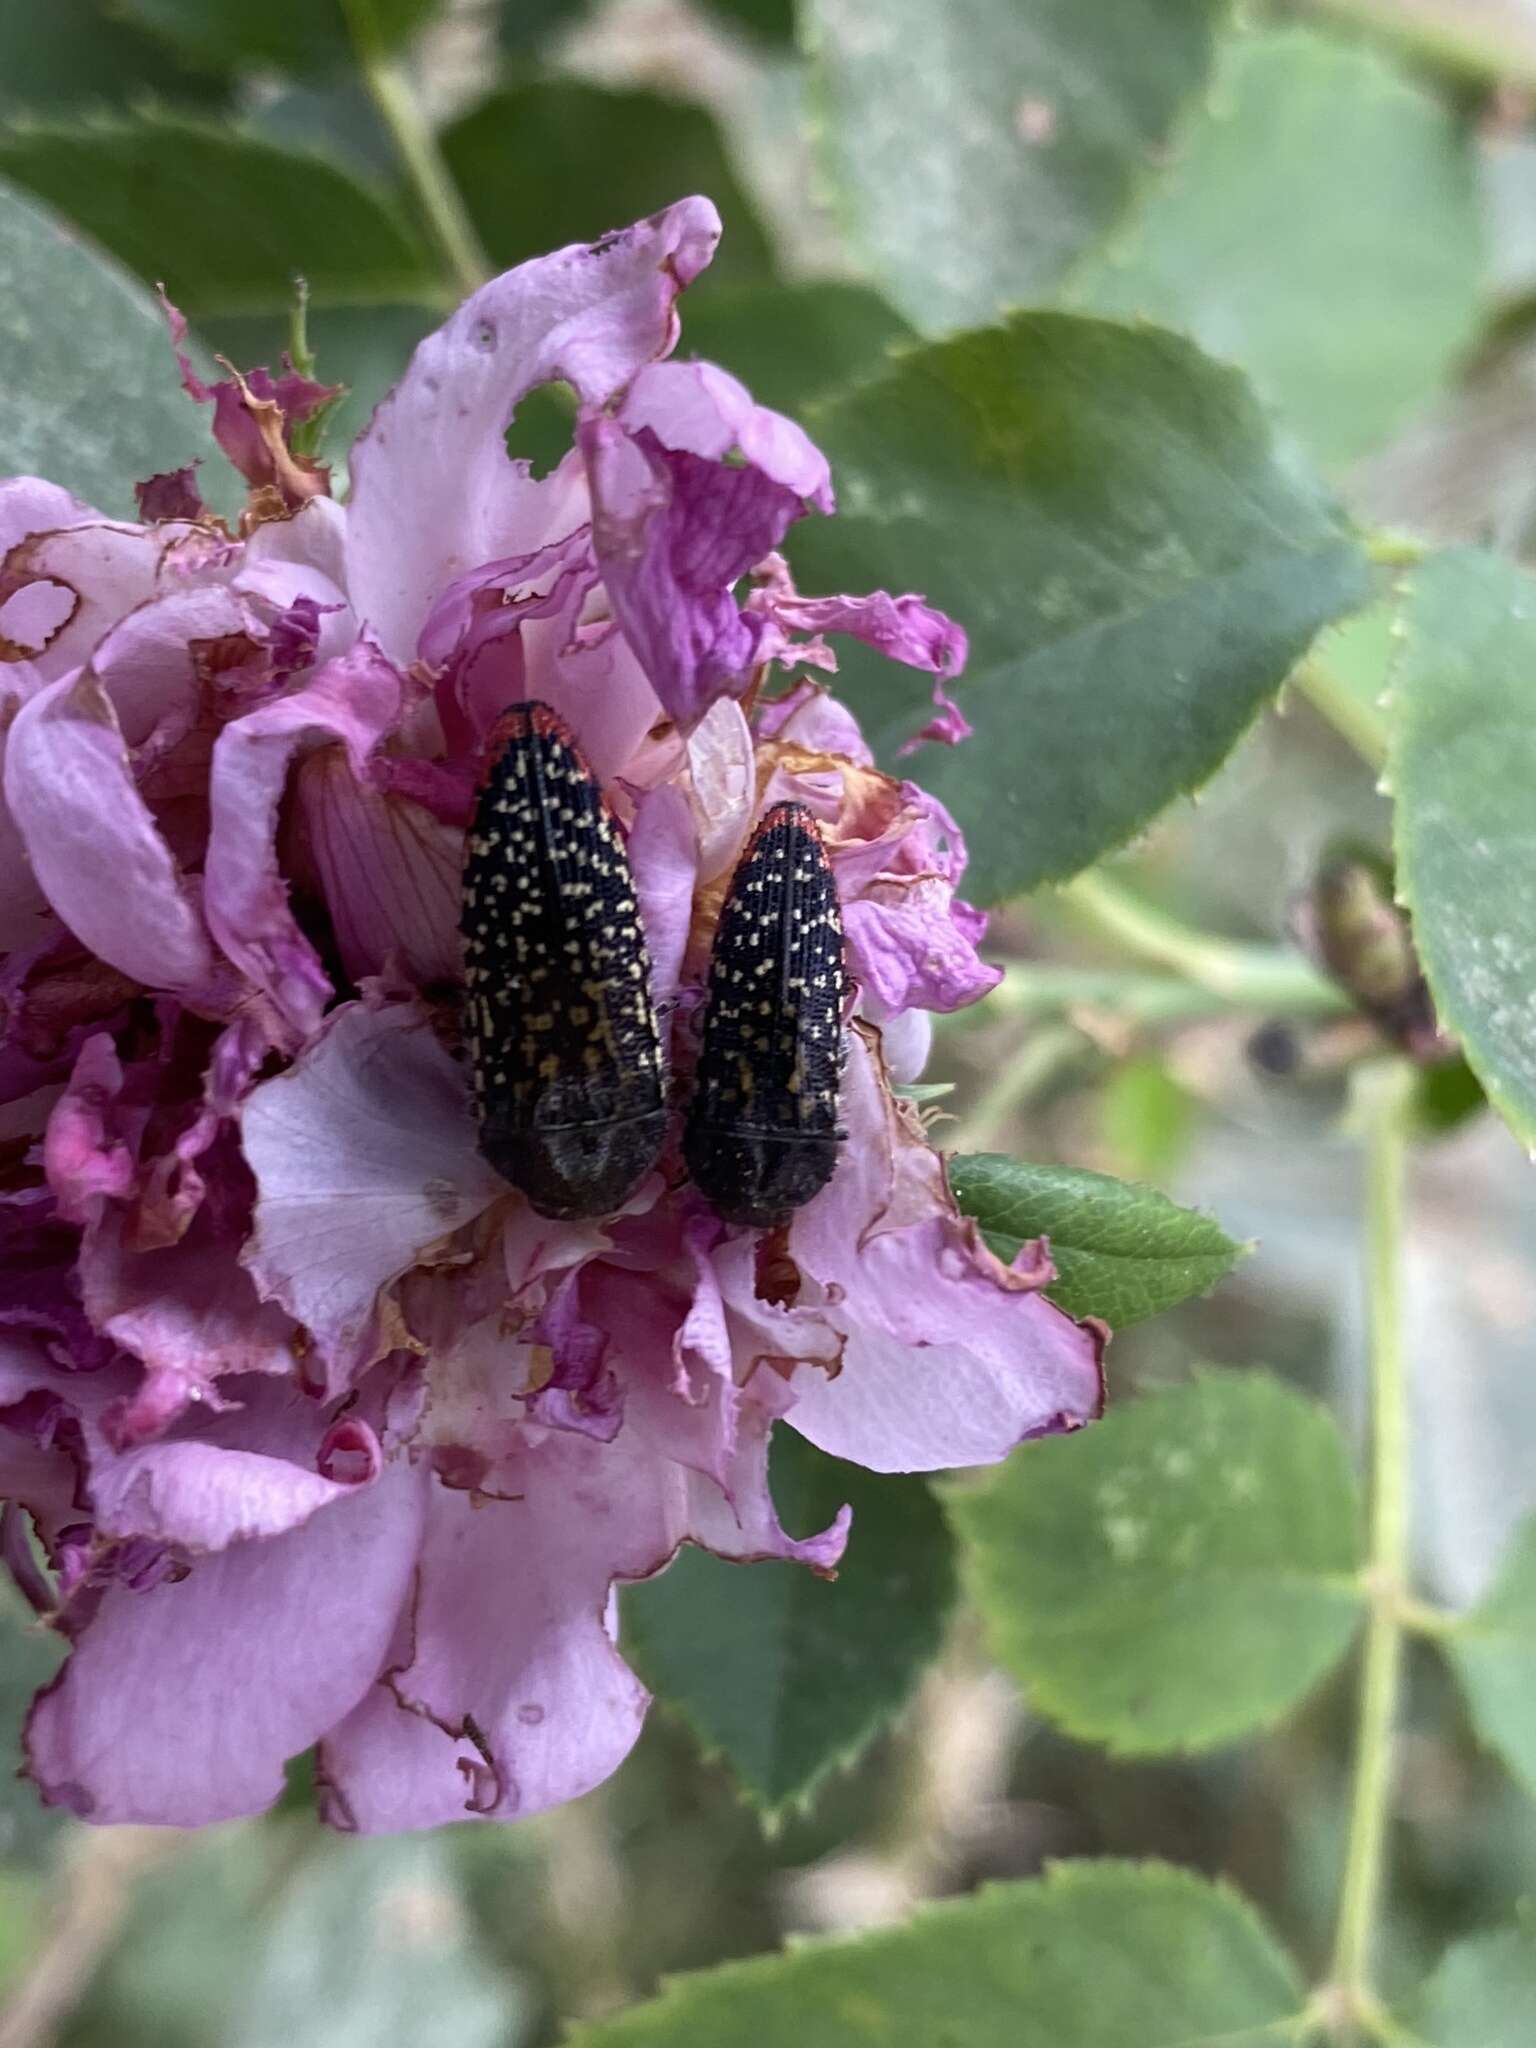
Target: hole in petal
<point>542,428</point>
<point>349,1454</point>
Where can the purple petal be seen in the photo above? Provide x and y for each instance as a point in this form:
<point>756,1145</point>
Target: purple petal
<point>907,952</point>
<point>722,788</point>
<point>699,409</point>
<point>180,1705</point>
<point>948,725</point>
<point>255,1473</point>
<point>93,844</point>
<point>952,1358</point>
<point>355,699</point>
<point>905,629</point>
<point>171,494</point>
<point>390,872</point>
<point>809,717</point>
<point>433,493</point>
<point>364,1156</point>
<point>523,1654</point>
<point>661,853</point>
<point>97,572</point>
<point>675,527</point>
<point>189,1312</point>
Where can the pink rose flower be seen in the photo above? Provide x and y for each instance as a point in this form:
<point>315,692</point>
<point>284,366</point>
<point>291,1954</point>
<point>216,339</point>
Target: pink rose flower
<point>326,1438</point>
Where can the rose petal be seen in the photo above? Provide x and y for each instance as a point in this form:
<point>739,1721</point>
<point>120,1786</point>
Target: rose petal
<point>105,568</point>
<point>952,1357</point>
<point>699,409</point>
<point>906,629</point>
<point>433,493</point>
<point>153,663</point>
<point>93,844</point>
<point>907,952</point>
<point>948,725</point>
<point>673,532</point>
<point>252,1473</point>
<point>188,1311</point>
<point>390,872</point>
<point>721,785</point>
<point>355,699</point>
<point>661,854</point>
<point>181,1705</point>
<point>524,1654</point>
<point>364,1156</point>
<point>23,906</point>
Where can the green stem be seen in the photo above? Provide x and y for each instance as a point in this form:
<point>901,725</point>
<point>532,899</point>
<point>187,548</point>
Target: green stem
<point>1047,989</point>
<point>1382,1095</point>
<point>1250,977</point>
<point>1038,1062</point>
<point>1448,35</point>
<point>465,264</point>
<point>1361,724</point>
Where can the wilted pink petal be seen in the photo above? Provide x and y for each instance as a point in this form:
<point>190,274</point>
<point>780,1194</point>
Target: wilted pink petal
<point>524,1655</point>
<point>254,1472</point>
<point>675,527</point>
<point>23,906</point>
<point>181,1705</point>
<point>85,1158</point>
<point>721,785</point>
<point>390,872</point>
<point>189,1313</point>
<point>952,1357</point>
<point>355,700</point>
<point>161,666</point>
<point>433,492</point>
<point>172,494</point>
<point>661,851</point>
<point>810,717</point>
<point>364,1155</point>
<point>948,725</point>
<point>906,629</point>
<point>698,409</point>
<point>254,416</point>
<point>907,953</point>
<point>92,843</point>
<point>100,571</point>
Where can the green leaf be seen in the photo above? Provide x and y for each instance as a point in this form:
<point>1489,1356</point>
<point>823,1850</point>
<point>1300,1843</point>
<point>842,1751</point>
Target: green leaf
<point>225,219</point>
<point>91,394</point>
<point>597,160</point>
<point>791,343</point>
<point>1320,227</point>
<point>29,1659</point>
<point>1095,1955</point>
<point>1102,509</point>
<point>772,21</point>
<point>1493,1651</point>
<point>299,36</point>
<point>370,1942</point>
<point>974,149</point>
<point>70,54</point>
<point>1462,766</point>
<point>1175,1576</point>
<point>1122,1251</point>
<point>522,25</point>
<point>1482,1994</point>
<point>784,1674</point>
